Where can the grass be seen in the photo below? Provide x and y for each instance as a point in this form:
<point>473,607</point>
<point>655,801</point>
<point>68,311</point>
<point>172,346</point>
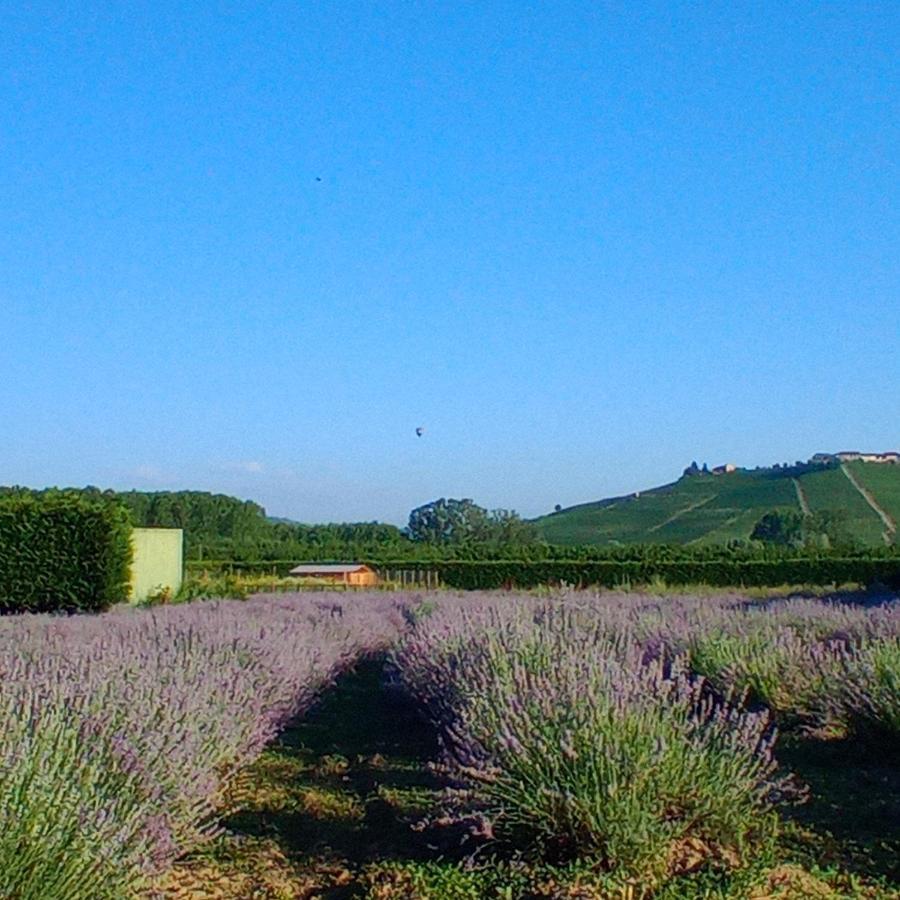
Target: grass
<point>328,812</point>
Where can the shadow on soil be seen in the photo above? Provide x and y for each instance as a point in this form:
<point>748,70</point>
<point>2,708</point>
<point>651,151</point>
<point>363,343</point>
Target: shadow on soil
<point>346,783</point>
<point>853,811</point>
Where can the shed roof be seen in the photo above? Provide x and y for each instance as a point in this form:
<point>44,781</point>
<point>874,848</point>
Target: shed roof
<point>328,568</point>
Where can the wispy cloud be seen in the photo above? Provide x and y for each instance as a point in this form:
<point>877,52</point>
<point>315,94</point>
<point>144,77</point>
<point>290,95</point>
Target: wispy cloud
<point>148,473</point>
<point>252,466</point>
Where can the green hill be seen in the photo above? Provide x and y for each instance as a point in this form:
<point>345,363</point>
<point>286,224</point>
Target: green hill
<point>711,509</point>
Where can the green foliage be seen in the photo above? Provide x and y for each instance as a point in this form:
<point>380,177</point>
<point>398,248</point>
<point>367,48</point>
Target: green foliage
<point>772,665</point>
<point>452,521</point>
<point>576,747</point>
<point>697,507</point>
<point>447,521</point>
<point>883,482</point>
<point>783,527</point>
<point>787,528</point>
<point>62,551</point>
<point>240,585</point>
<point>725,572</point>
<point>866,692</point>
<point>57,840</point>
<point>161,595</point>
<point>220,527</point>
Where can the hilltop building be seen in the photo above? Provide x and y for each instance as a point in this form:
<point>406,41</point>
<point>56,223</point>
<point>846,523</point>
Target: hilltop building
<point>890,456</point>
<point>727,469</point>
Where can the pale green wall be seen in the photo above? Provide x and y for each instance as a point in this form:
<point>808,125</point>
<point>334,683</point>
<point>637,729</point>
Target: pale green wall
<point>158,560</point>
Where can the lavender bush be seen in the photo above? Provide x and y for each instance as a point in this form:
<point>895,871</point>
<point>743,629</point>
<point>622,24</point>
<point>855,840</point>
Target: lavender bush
<point>610,726</point>
<point>567,729</point>
<point>793,656</point>
<point>121,731</point>
<point>865,695</point>
<point>616,727</point>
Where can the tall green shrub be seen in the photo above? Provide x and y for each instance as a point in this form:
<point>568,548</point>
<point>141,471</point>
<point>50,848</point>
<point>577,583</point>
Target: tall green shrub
<point>819,570</point>
<point>62,552</point>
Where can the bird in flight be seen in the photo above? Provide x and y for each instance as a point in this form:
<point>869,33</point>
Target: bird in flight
<point>420,431</point>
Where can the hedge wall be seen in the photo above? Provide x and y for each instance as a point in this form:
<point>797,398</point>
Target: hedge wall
<point>62,553</point>
<point>724,572</point>
<point>484,575</point>
<point>279,567</point>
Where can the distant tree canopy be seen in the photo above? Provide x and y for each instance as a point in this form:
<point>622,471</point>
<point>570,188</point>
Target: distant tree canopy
<point>788,528</point>
<point>217,526</point>
<point>452,521</point>
<point>222,528</point>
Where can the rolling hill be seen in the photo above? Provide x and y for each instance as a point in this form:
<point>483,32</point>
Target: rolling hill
<point>711,509</point>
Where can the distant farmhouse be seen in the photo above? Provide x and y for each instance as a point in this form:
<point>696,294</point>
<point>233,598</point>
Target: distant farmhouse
<point>727,469</point>
<point>890,456</point>
<point>357,574</point>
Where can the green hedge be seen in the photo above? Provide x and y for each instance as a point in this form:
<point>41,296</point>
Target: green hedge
<point>483,575</point>
<point>736,572</point>
<point>62,553</point>
<point>278,567</point>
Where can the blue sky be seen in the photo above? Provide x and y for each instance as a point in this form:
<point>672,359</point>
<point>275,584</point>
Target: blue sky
<point>580,243</point>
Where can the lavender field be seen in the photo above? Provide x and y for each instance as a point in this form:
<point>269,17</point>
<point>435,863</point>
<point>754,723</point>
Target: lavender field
<point>575,745</point>
<point>122,731</point>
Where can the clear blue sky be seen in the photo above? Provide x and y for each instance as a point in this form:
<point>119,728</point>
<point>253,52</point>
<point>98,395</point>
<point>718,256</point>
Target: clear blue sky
<point>580,243</point>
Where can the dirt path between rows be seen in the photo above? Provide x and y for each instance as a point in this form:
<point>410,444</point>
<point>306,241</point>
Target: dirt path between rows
<point>682,512</point>
<point>801,498</point>
<point>328,802</point>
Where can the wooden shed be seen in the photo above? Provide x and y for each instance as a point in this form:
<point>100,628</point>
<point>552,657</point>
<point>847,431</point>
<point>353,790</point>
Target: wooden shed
<point>356,574</point>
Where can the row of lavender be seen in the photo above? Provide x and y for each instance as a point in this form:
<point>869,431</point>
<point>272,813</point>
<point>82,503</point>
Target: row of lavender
<point>636,731</point>
<point>121,732</point>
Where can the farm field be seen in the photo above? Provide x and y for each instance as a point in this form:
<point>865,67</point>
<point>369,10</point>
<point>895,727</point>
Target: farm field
<point>710,509</point>
<point>832,489</point>
<point>445,745</point>
<point>883,484</point>
<point>691,509</point>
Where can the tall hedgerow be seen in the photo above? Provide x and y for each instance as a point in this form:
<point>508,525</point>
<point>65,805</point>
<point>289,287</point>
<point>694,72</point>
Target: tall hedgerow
<point>62,552</point>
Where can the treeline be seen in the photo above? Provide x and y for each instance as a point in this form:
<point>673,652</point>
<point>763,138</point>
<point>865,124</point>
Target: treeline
<point>222,531</point>
<point>217,526</point>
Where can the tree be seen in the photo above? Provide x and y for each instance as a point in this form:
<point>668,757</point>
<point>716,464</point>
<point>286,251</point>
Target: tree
<point>783,527</point>
<point>831,528</point>
<point>823,529</point>
<point>446,521</point>
<point>449,521</point>
<point>507,529</point>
